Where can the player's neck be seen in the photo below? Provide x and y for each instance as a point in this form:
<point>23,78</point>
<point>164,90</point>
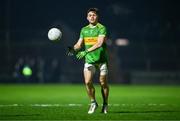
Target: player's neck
<point>92,25</point>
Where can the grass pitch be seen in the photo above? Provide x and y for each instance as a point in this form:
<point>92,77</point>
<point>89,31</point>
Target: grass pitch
<point>70,102</point>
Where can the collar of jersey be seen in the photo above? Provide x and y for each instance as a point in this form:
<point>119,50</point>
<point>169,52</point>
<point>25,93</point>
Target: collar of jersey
<point>91,26</point>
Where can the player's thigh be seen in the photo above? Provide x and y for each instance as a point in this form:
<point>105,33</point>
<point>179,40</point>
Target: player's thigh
<point>89,71</point>
<point>103,73</point>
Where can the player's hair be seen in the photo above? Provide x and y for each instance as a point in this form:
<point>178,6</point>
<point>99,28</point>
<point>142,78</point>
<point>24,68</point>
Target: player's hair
<point>95,10</point>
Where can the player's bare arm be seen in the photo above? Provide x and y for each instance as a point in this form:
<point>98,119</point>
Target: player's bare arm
<point>101,40</point>
<point>73,50</point>
<point>79,44</point>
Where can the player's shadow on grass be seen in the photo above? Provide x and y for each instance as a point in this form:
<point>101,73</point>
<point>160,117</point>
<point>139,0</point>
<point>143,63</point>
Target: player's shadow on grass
<point>167,111</point>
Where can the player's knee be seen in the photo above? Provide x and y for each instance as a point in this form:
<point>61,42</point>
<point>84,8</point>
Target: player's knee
<point>103,81</point>
<point>103,84</point>
<point>88,83</point>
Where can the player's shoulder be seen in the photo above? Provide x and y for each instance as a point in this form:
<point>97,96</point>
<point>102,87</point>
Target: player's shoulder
<point>99,25</point>
<point>85,27</point>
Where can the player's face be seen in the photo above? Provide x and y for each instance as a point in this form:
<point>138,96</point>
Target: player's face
<point>92,17</point>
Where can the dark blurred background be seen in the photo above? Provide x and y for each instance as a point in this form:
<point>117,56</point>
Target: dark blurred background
<point>143,40</point>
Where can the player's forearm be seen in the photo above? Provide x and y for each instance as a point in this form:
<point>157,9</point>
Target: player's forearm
<point>94,47</point>
<point>97,45</point>
<point>77,47</point>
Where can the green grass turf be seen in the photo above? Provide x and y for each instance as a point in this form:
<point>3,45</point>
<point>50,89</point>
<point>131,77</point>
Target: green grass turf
<point>126,102</point>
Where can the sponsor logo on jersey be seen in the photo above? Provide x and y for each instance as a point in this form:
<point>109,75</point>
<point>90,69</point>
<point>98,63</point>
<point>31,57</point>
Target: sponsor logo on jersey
<point>90,40</point>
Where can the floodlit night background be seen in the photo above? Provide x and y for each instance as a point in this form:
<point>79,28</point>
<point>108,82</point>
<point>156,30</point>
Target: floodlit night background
<point>143,40</point>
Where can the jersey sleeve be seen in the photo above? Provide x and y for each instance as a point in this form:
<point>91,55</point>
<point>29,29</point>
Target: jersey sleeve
<point>102,31</point>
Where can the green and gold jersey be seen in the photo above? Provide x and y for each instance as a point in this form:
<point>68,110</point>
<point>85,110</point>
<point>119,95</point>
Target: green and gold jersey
<point>90,36</point>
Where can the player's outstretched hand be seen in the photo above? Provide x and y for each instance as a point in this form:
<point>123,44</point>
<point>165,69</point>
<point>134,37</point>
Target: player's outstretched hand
<point>70,51</point>
<point>81,54</point>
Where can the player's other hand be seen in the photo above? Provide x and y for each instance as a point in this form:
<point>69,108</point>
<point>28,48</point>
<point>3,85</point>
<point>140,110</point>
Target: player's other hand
<point>70,51</point>
<point>81,54</point>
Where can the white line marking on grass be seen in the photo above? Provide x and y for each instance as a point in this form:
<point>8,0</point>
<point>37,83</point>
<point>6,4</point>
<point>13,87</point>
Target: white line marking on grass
<point>11,105</point>
<point>152,104</point>
<point>56,105</point>
<point>115,105</point>
<point>76,105</point>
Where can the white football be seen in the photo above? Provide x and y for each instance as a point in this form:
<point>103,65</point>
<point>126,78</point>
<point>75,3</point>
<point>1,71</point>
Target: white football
<point>54,34</point>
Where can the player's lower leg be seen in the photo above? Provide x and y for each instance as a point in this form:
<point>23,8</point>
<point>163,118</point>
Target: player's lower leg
<point>91,93</point>
<point>90,90</point>
<point>105,101</point>
<point>105,93</point>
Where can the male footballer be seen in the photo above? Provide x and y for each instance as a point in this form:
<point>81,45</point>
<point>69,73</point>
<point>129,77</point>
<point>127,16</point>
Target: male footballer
<point>92,38</point>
